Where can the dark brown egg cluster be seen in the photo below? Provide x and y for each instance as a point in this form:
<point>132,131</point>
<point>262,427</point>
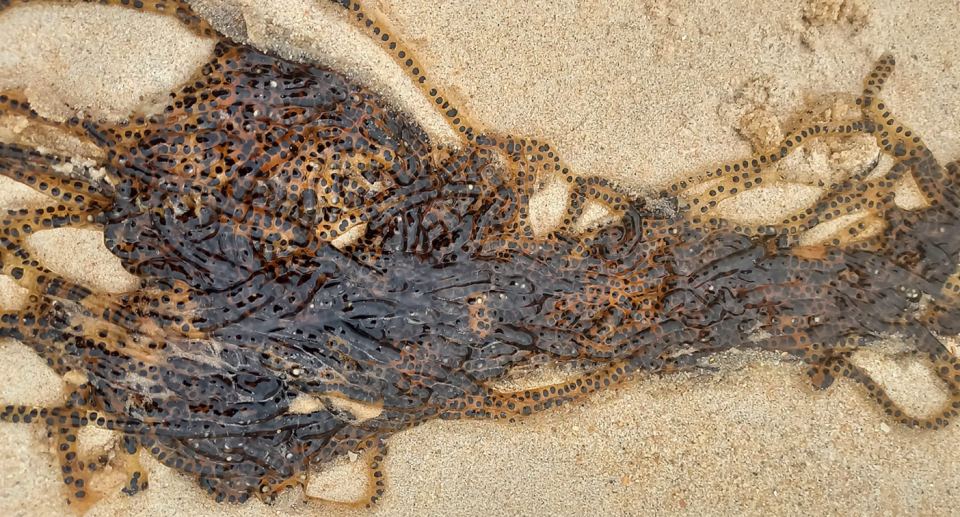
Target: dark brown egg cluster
<point>300,240</point>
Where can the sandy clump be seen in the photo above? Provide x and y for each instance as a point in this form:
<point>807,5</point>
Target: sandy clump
<point>641,93</point>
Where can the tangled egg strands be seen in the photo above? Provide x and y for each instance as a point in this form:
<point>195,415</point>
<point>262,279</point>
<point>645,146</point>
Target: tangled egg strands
<point>296,236</point>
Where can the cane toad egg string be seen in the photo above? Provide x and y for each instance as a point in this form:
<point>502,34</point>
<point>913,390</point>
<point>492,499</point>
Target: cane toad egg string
<point>230,205</point>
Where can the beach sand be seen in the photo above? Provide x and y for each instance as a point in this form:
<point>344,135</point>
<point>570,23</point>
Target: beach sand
<point>640,92</point>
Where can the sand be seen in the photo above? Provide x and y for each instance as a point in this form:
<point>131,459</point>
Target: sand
<point>638,92</point>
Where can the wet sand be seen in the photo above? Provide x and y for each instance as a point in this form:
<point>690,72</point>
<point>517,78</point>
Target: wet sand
<point>638,92</point>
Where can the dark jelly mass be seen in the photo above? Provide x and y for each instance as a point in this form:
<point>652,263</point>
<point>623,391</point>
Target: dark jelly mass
<point>299,239</point>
